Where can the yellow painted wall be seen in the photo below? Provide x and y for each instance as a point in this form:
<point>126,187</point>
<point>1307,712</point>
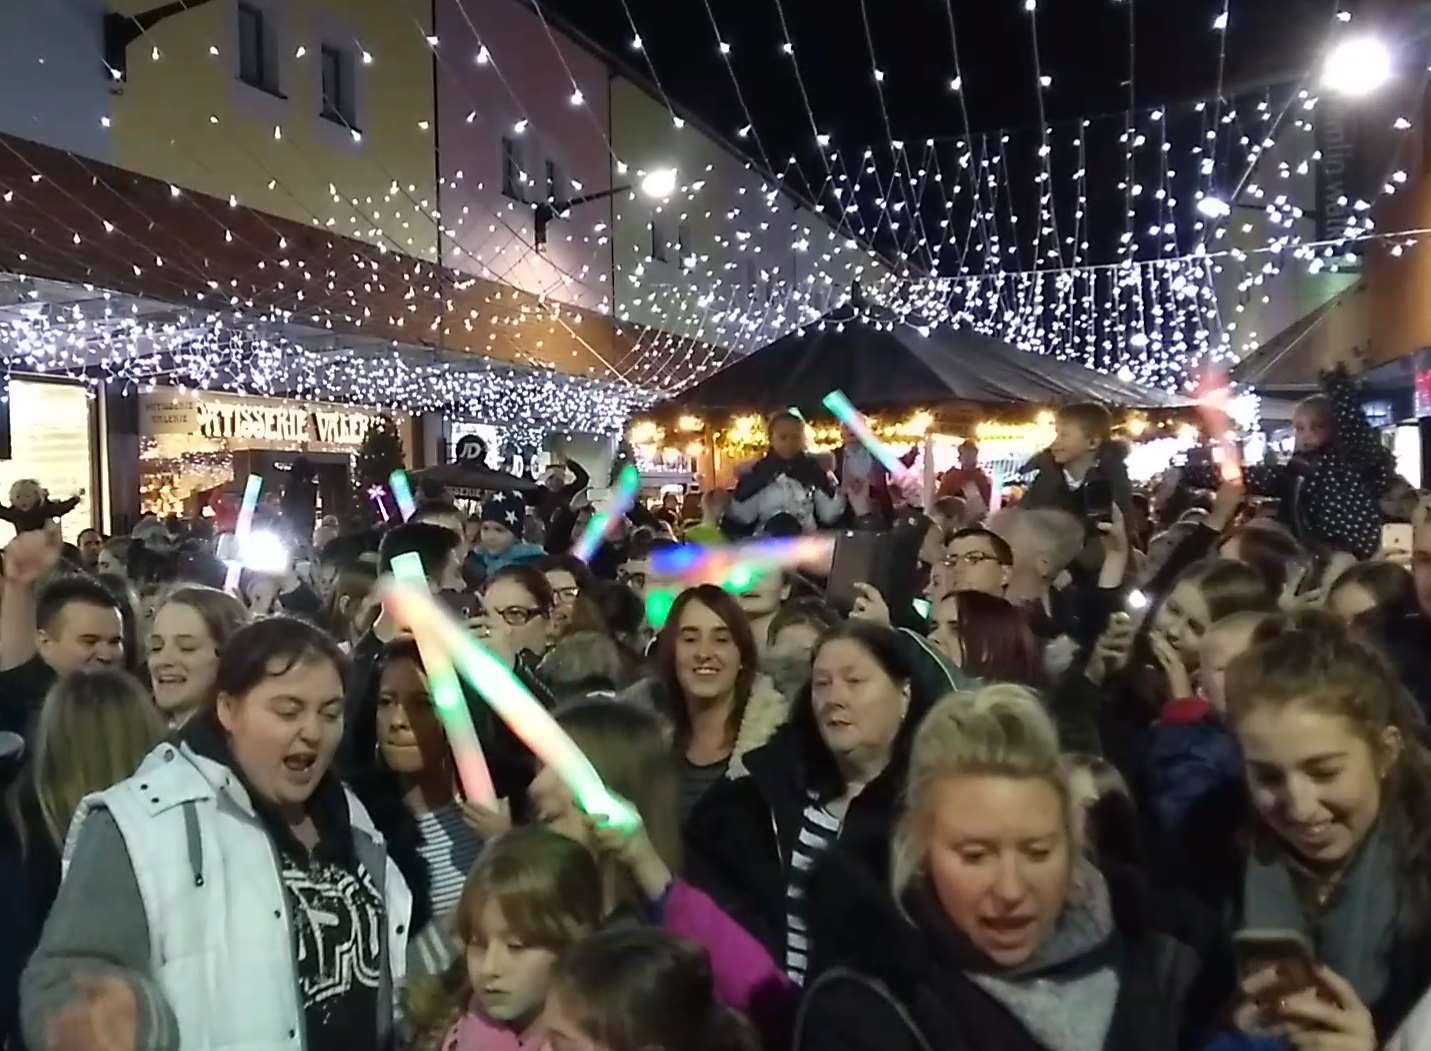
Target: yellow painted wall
<point>162,124</point>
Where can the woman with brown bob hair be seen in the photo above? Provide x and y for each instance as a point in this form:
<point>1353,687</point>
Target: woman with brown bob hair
<point>1339,778</point>
<point>711,690</point>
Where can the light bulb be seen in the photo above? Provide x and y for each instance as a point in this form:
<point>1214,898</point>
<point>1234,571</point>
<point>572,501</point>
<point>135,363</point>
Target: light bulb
<point>1357,66</point>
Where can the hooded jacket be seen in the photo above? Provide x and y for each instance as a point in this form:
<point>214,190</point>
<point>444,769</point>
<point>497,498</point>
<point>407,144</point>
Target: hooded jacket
<point>888,985</point>
<point>173,887</point>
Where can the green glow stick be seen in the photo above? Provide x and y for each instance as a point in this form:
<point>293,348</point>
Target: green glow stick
<point>448,699</point>
<point>402,493</point>
<point>515,705</point>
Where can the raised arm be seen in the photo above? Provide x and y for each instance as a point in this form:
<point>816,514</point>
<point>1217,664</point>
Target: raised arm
<point>28,559</point>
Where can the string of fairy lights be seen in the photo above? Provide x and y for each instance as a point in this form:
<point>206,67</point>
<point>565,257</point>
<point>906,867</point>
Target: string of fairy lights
<point>1155,313</point>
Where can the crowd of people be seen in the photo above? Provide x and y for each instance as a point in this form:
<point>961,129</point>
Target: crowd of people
<point>1147,770</point>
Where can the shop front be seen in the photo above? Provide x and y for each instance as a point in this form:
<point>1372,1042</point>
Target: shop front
<point>194,445</point>
<point>51,439</point>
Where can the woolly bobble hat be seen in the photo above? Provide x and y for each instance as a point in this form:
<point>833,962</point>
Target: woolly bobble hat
<point>507,510</point>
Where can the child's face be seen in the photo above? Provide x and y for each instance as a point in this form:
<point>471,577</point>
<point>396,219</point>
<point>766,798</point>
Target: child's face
<point>787,438</point>
<point>497,539</point>
<point>1220,647</point>
<point>1184,620</point>
<point>1070,442</point>
<point>26,497</point>
<point>795,642</point>
<point>509,978</point>
<point>1313,428</point>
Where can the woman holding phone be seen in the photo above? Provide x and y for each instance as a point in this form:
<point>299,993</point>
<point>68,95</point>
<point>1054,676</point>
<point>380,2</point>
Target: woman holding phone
<point>1340,785</point>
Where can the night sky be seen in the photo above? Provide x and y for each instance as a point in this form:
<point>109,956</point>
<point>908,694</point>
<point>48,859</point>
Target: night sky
<point>1083,46</point>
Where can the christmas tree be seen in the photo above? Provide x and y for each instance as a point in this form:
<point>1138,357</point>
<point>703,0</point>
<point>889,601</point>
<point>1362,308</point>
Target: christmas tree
<point>378,457</point>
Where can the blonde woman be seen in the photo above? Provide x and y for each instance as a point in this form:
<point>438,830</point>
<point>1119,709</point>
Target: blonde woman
<point>1000,934</point>
<point>93,730</point>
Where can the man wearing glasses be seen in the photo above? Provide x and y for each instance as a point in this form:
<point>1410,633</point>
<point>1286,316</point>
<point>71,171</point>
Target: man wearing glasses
<point>980,560</point>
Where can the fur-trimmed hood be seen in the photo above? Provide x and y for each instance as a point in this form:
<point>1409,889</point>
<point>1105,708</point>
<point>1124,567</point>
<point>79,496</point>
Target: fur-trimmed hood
<point>765,712</point>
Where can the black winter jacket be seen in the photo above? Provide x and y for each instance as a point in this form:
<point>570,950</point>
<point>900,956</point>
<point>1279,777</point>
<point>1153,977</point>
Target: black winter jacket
<point>886,985</point>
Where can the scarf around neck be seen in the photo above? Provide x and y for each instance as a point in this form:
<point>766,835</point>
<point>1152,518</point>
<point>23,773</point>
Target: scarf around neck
<point>1066,992</point>
<point>1354,931</point>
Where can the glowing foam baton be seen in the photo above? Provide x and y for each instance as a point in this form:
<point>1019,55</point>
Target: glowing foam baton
<point>402,492</point>
<point>628,484</point>
<point>447,697</point>
<point>514,704</point>
<point>840,407</point>
<point>738,566</point>
<point>251,490</point>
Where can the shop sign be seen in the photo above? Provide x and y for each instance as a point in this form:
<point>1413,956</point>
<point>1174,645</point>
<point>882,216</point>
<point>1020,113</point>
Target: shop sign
<point>238,423</point>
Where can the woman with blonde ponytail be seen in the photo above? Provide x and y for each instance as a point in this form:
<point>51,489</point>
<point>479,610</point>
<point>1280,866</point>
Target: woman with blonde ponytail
<point>1000,932</point>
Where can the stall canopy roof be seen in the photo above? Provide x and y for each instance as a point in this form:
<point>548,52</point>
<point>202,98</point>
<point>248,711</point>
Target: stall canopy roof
<point>900,367</point>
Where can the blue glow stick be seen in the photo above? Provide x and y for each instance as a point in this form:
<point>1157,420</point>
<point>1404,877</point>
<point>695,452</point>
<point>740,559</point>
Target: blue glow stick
<point>842,410</point>
<point>251,489</point>
<point>402,492</point>
<point>628,484</point>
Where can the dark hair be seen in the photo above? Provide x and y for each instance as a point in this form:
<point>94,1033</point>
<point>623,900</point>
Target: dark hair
<point>630,989</point>
<point>811,612</point>
<point>782,415</point>
<point>578,569</point>
<point>997,544</point>
<point>883,645</point>
<point>274,646</point>
<point>583,662</point>
<point>355,581</point>
<point>1391,586</point>
<point>530,578</point>
<point>1091,417</point>
<point>724,606</point>
<point>640,546</point>
<point>609,607</point>
<point>72,589</point>
<point>998,641</point>
<point>1271,551</point>
<point>1230,587</point>
<point>431,508</point>
<point>1312,659</point>
<point>433,544</point>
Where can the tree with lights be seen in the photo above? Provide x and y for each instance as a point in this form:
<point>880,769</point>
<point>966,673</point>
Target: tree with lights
<point>379,455</point>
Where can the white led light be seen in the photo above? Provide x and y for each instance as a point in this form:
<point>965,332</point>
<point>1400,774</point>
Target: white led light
<point>1214,207</point>
<point>1357,66</point>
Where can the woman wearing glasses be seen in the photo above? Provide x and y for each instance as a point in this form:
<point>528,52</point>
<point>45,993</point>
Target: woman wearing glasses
<point>569,578</point>
<point>517,606</point>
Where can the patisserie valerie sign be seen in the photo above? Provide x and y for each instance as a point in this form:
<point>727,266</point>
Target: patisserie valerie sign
<point>221,421</point>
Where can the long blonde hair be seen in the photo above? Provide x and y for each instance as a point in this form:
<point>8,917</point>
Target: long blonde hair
<point>1001,730</point>
<point>95,728</point>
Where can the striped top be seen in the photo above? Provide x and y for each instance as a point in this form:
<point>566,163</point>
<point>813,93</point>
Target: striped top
<point>449,847</point>
<point>818,831</point>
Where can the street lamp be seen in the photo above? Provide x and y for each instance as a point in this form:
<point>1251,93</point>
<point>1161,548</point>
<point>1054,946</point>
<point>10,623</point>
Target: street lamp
<point>1357,66</point>
<point>657,184</point>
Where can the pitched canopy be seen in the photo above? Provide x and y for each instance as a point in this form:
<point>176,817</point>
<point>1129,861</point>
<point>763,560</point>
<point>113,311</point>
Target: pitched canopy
<point>887,369</point>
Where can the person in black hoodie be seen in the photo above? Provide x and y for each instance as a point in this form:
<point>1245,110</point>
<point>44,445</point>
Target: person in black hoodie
<point>998,932</point>
<point>828,780</point>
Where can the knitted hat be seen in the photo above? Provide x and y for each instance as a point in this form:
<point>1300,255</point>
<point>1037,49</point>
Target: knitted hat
<point>508,510</point>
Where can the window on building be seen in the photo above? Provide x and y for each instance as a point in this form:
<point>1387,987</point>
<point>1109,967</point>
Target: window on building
<point>513,174</point>
<point>660,244</point>
<point>338,97</point>
<point>258,49</point>
<point>556,183</point>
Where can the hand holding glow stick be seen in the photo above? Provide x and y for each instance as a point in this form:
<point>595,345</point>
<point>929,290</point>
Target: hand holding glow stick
<point>1212,405</point>
<point>628,484</point>
<point>447,697</point>
<point>242,527</point>
<point>514,704</point>
<point>402,493</point>
<point>840,407</point>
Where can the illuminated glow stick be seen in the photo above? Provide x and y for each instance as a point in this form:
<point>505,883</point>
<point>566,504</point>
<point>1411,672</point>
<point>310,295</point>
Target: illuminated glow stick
<point>628,484</point>
<point>251,490</point>
<point>512,702</point>
<point>402,492</point>
<point>658,606</point>
<point>737,567</point>
<point>840,407</point>
<point>448,699</point>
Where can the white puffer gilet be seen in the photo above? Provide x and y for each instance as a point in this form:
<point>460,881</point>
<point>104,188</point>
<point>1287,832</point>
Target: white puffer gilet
<point>221,941</point>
